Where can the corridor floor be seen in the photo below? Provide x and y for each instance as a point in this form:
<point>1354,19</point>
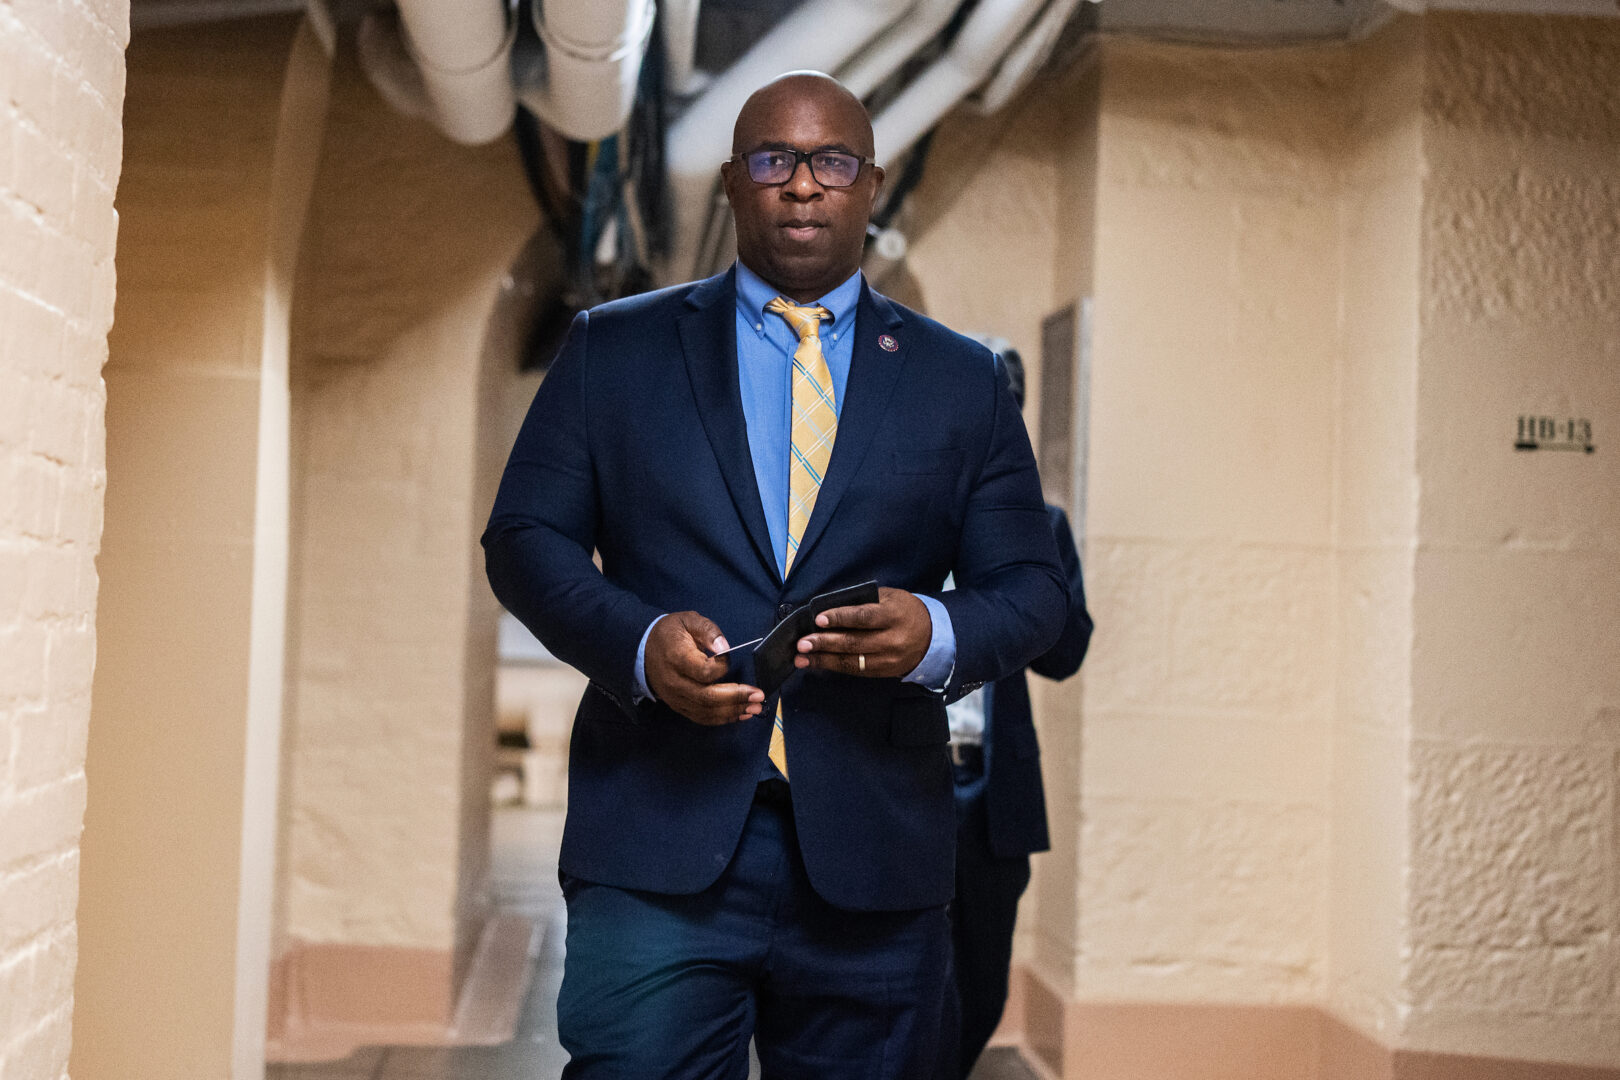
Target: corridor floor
<point>524,879</point>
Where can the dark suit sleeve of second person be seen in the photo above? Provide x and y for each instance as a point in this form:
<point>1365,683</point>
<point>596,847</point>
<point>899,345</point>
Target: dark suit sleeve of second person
<point>542,532</point>
<point>1010,598</point>
<point>1064,658</point>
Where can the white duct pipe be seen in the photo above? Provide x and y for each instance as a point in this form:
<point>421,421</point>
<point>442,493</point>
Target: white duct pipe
<point>869,70</point>
<point>594,50</point>
<point>1028,56</point>
<point>463,50</point>
<point>989,32</point>
<point>820,35</point>
<point>680,45</point>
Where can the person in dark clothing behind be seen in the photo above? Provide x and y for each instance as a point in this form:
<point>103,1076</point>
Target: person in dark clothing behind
<point>1001,808</point>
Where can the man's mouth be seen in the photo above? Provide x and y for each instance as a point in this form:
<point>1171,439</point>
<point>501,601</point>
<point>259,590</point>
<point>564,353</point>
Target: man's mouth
<point>802,229</point>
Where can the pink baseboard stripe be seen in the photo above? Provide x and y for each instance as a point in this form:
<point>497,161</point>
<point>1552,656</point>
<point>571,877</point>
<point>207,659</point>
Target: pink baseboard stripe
<point>1084,1040</point>
<point>326,1000</point>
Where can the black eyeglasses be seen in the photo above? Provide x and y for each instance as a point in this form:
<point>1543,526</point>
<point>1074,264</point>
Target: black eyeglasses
<point>829,168</point>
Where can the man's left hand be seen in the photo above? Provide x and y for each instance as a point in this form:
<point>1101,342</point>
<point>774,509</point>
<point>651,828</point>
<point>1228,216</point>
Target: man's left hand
<point>891,635</point>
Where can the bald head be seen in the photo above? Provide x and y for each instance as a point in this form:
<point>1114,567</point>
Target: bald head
<point>802,89</point>
<point>799,234</point>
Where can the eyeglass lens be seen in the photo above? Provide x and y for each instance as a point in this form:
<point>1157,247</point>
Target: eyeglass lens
<point>830,168</point>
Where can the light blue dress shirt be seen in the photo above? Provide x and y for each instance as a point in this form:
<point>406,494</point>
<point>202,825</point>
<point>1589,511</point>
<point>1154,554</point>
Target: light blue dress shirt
<point>765,346</point>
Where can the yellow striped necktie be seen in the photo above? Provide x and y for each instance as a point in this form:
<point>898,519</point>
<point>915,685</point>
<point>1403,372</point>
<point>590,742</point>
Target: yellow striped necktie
<point>815,427</point>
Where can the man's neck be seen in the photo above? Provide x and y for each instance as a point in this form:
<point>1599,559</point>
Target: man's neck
<point>799,296</point>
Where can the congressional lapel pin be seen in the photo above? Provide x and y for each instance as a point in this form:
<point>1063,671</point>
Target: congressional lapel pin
<point>887,343</point>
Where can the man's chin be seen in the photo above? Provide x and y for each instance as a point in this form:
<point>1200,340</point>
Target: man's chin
<point>802,271</point>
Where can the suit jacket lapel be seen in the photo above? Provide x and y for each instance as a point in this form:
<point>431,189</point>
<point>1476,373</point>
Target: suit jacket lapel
<point>873,373</point>
<point>709,340</point>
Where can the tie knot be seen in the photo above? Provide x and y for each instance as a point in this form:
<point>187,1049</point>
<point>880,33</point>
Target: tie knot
<point>806,321</point>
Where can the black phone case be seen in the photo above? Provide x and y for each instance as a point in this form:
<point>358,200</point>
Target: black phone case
<point>773,657</point>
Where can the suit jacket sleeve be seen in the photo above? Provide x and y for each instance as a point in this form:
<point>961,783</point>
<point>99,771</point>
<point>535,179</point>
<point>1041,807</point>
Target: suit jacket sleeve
<point>1010,599</point>
<point>542,533</point>
<point>1064,658</point>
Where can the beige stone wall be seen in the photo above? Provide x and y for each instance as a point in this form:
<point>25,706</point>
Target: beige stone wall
<point>61,90</point>
<point>1515,880</point>
<point>1050,914</point>
<point>995,215</point>
<point>1209,685</point>
<point>1347,735</point>
<point>999,234</point>
<point>390,686</point>
<point>1375,529</point>
<point>179,830</point>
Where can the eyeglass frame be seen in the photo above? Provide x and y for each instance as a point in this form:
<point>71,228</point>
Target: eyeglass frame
<point>802,157</point>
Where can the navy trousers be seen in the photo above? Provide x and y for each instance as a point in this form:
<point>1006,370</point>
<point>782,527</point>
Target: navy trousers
<point>983,915</point>
<point>674,986</point>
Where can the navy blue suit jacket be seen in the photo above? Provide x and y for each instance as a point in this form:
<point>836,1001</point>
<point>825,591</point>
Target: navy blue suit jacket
<point>636,448</point>
<point>1015,798</point>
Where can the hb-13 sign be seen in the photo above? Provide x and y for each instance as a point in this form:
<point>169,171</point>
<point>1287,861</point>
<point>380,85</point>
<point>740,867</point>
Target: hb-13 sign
<point>1553,433</point>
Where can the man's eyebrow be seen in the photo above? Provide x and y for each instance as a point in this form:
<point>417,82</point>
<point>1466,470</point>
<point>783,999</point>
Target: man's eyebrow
<point>842,148</point>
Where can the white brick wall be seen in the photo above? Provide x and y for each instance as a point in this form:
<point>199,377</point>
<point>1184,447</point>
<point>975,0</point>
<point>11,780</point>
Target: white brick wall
<point>61,96</point>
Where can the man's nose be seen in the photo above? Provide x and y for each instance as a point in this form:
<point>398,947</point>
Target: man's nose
<point>802,184</point>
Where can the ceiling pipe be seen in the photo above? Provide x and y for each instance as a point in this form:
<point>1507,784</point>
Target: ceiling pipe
<point>463,50</point>
<point>594,51</point>
<point>1028,56</point>
<point>680,46</point>
<point>874,65</point>
<point>387,62</point>
<point>819,35</point>
<point>985,38</point>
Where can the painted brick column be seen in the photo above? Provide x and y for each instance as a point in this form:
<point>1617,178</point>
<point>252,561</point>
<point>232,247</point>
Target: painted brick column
<point>61,92</point>
<point>222,125</point>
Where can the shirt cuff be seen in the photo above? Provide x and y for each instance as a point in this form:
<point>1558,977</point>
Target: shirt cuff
<point>641,692</point>
<point>939,662</point>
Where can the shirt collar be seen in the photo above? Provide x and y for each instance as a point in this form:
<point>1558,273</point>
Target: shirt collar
<point>753,293</point>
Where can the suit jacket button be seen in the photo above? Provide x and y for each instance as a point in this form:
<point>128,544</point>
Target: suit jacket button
<point>784,610</point>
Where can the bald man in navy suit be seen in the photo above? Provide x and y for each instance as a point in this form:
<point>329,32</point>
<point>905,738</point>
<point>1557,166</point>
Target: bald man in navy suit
<point>715,892</point>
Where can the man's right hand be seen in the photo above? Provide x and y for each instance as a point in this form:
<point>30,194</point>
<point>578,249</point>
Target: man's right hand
<point>683,672</point>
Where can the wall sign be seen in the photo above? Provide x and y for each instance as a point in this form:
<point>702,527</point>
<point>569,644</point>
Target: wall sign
<point>1553,433</point>
<point>1059,335</point>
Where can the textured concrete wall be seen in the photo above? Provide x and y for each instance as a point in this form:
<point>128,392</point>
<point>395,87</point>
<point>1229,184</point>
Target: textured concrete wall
<point>1375,530</point>
<point>1050,915</point>
<point>982,229</point>
<point>993,229</point>
<point>1349,725</point>
<point>1209,690</point>
<point>61,90</point>
<point>179,832</point>
<point>392,644</point>
<point>1515,890</point>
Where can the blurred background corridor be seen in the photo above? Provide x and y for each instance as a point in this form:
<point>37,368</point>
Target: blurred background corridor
<point>1320,302</point>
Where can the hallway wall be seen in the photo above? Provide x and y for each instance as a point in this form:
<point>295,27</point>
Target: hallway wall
<point>1343,758</point>
<point>1515,886</point>
<point>1375,496</point>
<point>179,833</point>
<point>999,231</point>
<point>61,91</point>
<point>1207,701</point>
<point>392,635</point>
<point>1050,913</point>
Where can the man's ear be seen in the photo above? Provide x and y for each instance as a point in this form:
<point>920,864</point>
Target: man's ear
<point>726,168</point>
<point>878,176</point>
